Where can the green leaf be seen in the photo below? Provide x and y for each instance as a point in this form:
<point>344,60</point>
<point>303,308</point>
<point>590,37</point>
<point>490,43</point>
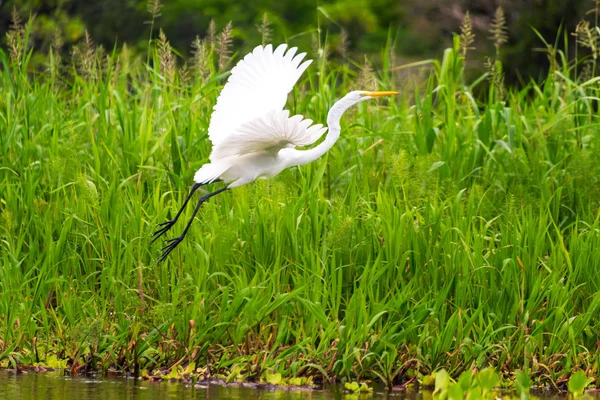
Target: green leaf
<point>429,380</point>
<point>273,379</point>
<point>442,381</point>
<point>296,381</point>
<point>465,381</point>
<point>436,165</point>
<point>364,388</point>
<point>522,384</point>
<point>455,392</point>
<point>189,369</point>
<point>175,153</point>
<point>318,175</point>
<point>474,393</point>
<point>174,374</point>
<point>488,379</point>
<point>54,362</point>
<point>577,383</point>
<point>352,386</point>
<point>234,373</point>
<point>356,388</point>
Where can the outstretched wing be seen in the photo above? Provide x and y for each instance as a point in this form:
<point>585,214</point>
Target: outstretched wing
<point>271,132</point>
<point>258,84</point>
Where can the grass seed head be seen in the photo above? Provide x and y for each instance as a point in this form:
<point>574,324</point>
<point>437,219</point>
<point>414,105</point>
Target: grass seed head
<point>212,33</point>
<point>154,7</point>
<point>588,37</point>
<point>166,57</point>
<point>343,44</point>
<point>15,36</point>
<point>498,29</point>
<point>467,37</point>
<point>224,46</point>
<point>366,77</point>
<point>200,58</point>
<point>265,30</point>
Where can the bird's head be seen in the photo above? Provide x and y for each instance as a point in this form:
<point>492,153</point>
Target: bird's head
<point>349,100</point>
<point>361,95</point>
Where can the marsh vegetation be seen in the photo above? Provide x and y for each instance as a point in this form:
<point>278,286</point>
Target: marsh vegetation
<point>454,227</point>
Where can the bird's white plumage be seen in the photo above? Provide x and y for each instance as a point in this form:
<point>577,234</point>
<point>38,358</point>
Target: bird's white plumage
<point>259,84</point>
<point>272,132</point>
<point>253,137</point>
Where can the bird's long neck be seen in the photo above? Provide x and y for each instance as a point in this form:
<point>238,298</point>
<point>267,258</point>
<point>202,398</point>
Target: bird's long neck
<point>333,133</point>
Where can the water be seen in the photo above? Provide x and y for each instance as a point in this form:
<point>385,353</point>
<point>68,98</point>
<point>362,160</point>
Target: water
<point>54,386</point>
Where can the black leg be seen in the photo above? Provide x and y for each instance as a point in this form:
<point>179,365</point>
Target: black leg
<point>165,226</point>
<point>172,243</point>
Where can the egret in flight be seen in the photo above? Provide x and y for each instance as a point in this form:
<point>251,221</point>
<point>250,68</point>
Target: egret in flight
<point>252,135</point>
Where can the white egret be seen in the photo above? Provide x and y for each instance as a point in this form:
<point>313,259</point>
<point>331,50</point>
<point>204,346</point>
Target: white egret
<point>252,135</point>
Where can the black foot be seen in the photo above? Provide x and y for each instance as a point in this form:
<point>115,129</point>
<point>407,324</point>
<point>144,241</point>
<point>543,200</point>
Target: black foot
<point>165,227</point>
<point>172,243</point>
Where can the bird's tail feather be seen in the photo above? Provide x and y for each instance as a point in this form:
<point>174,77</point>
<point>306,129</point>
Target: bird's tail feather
<point>210,172</point>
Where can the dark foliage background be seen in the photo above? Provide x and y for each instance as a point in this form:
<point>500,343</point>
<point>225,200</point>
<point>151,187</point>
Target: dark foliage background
<point>420,27</point>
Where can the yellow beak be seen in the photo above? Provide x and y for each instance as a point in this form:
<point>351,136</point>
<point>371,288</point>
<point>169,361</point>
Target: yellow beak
<point>379,94</point>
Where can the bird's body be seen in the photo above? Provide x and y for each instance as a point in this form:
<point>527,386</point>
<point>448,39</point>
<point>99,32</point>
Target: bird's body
<point>244,169</point>
<point>253,136</point>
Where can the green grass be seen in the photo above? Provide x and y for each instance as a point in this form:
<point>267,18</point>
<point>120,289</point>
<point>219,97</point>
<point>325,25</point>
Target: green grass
<point>441,231</point>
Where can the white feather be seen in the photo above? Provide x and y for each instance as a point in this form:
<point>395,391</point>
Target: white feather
<point>272,132</point>
<point>258,84</point>
<point>210,172</point>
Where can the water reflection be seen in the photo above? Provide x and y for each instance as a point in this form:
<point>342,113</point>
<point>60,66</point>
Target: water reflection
<point>55,386</point>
